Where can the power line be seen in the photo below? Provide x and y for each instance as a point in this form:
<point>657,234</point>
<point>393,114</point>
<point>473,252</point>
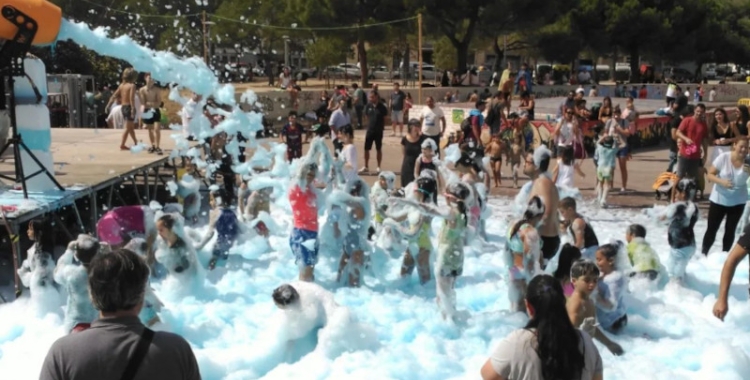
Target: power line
<point>253,24</point>
<point>291,27</point>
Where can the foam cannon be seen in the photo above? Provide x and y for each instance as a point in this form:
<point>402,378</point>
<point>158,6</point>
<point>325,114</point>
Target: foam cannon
<point>25,23</point>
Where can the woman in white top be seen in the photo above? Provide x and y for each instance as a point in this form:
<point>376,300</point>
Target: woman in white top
<point>729,195</point>
<point>566,132</point>
<point>525,353</point>
<point>348,153</point>
<point>564,173</point>
<point>618,129</point>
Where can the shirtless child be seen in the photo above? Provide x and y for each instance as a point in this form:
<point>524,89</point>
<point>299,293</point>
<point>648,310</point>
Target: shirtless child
<point>581,309</point>
<point>515,154</point>
<point>126,93</point>
<point>495,150</point>
<point>151,99</point>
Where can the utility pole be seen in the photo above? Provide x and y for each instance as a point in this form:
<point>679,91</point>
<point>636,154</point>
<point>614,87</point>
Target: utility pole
<point>205,41</point>
<point>419,46</point>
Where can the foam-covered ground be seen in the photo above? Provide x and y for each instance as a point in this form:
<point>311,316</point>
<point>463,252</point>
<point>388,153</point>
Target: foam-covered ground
<point>237,333</point>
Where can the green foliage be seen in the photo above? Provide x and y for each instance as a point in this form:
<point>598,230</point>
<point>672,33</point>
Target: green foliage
<point>326,51</point>
<point>558,42</point>
<point>445,54</point>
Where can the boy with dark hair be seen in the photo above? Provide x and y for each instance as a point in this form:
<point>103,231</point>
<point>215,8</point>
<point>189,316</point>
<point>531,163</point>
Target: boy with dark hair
<point>292,135</point>
<point>642,257</point>
<point>584,237</point>
<point>581,308</point>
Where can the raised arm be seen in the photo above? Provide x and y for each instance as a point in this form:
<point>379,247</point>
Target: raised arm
<point>736,255</point>
<point>428,209</point>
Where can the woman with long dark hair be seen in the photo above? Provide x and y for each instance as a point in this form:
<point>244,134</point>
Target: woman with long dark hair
<point>549,347</point>
<point>743,120</point>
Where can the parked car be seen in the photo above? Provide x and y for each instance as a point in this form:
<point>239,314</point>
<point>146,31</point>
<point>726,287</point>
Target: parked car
<point>338,72</point>
<point>710,72</point>
<point>678,75</point>
<point>351,69</point>
<point>382,72</point>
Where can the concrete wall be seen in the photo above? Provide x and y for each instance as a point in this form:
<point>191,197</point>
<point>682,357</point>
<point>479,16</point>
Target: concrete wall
<point>276,103</point>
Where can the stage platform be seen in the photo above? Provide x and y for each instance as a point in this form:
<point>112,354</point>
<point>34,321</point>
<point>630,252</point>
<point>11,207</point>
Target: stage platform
<point>85,161</point>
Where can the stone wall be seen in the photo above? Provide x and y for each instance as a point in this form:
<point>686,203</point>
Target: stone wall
<point>276,103</point>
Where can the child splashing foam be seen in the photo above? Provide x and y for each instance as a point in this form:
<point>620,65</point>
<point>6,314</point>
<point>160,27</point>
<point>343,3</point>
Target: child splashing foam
<point>223,223</point>
<point>523,249</point>
<point>682,216</point>
<point>451,241</point>
<point>303,240</point>
<point>36,271</point>
<point>643,258</point>
<point>177,256</point>
<point>348,223</point>
<point>72,272</point>
<point>381,190</point>
<point>581,308</point>
<point>610,306</point>
<point>418,230</point>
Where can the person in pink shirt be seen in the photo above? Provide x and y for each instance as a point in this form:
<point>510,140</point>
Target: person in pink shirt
<point>121,224</point>
<point>303,239</point>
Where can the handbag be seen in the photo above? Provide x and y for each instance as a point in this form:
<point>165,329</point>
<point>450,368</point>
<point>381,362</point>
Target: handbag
<point>691,149</point>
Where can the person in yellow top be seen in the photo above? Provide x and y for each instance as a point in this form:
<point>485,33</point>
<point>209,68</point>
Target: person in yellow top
<point>642,257</point>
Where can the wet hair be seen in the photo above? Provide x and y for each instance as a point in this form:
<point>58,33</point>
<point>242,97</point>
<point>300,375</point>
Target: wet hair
<point>462,192</point>
<point>285,295</point>
<point>568,157</point>
<point>117,281</point>
<point>687,186</point>
<point>542,157</point>
<point>534,208</point>
<point>355,186</point>
<point>583,267</point>
<point>168,221</point>
<point>568,203</point>
<point>428,187</point>
<point>557,339</point>
<point>292,113</point>
<point>568,254</point>
<point>429,144</point>
<point>637,230</point>
<point>608,141</point>
<point>129,75</point>
<point>44,237</point>
<point>220,196</point>
<point>347,130</point>
<point>83,253</point>
<point>609,250</point>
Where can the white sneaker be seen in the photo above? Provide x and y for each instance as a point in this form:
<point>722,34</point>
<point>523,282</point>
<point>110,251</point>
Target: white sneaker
<point>378,170</point>
<point>364,170</point>
<point>622,190</point>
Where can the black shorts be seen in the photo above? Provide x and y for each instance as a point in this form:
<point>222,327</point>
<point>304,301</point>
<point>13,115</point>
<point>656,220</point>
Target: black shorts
<point>550,245</point>
<point>688,167</point>
<point>127,113</point>
<point>374,137</point>
<point>155,116</point>
<point>620,323</point>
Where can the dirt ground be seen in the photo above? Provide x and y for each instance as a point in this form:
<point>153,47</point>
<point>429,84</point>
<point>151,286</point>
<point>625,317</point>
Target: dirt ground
<point>643,170</point>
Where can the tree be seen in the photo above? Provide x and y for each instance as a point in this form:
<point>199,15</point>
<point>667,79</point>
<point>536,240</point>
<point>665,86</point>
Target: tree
<point>326,51</point>
<point>503,17</point>
<point>444,52</point>
<point>558,42</point>
<point>456,19</point>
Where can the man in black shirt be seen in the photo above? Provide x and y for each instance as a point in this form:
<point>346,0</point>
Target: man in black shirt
<point>678,108</point>
<point>375,112</point>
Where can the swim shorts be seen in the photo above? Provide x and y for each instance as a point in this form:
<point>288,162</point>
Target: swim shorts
<point>155,116</point>
<point>304,244</point>
<point>127,113</point>
<point>550,245</point>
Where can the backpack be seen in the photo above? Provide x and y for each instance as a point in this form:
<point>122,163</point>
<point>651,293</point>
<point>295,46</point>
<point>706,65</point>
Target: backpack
<point>466,128</point>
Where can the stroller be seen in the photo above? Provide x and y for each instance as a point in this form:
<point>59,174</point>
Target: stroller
<point>664,184</point>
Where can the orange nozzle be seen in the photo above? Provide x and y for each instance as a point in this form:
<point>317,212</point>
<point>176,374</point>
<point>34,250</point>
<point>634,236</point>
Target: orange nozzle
<point>48,17</point>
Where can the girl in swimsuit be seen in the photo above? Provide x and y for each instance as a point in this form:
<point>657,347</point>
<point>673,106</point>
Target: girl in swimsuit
<point>36,271</point>
<point>418,232</point>
<point>524,252</point>
<point>568,255</point>
<point>177,256</point>
<point>349,219</point>
<point>427,161</point>
<point>223,223</point>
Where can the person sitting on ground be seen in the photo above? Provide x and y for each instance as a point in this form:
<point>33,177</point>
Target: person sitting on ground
<point>642,257</point>
<point>117,343</point>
